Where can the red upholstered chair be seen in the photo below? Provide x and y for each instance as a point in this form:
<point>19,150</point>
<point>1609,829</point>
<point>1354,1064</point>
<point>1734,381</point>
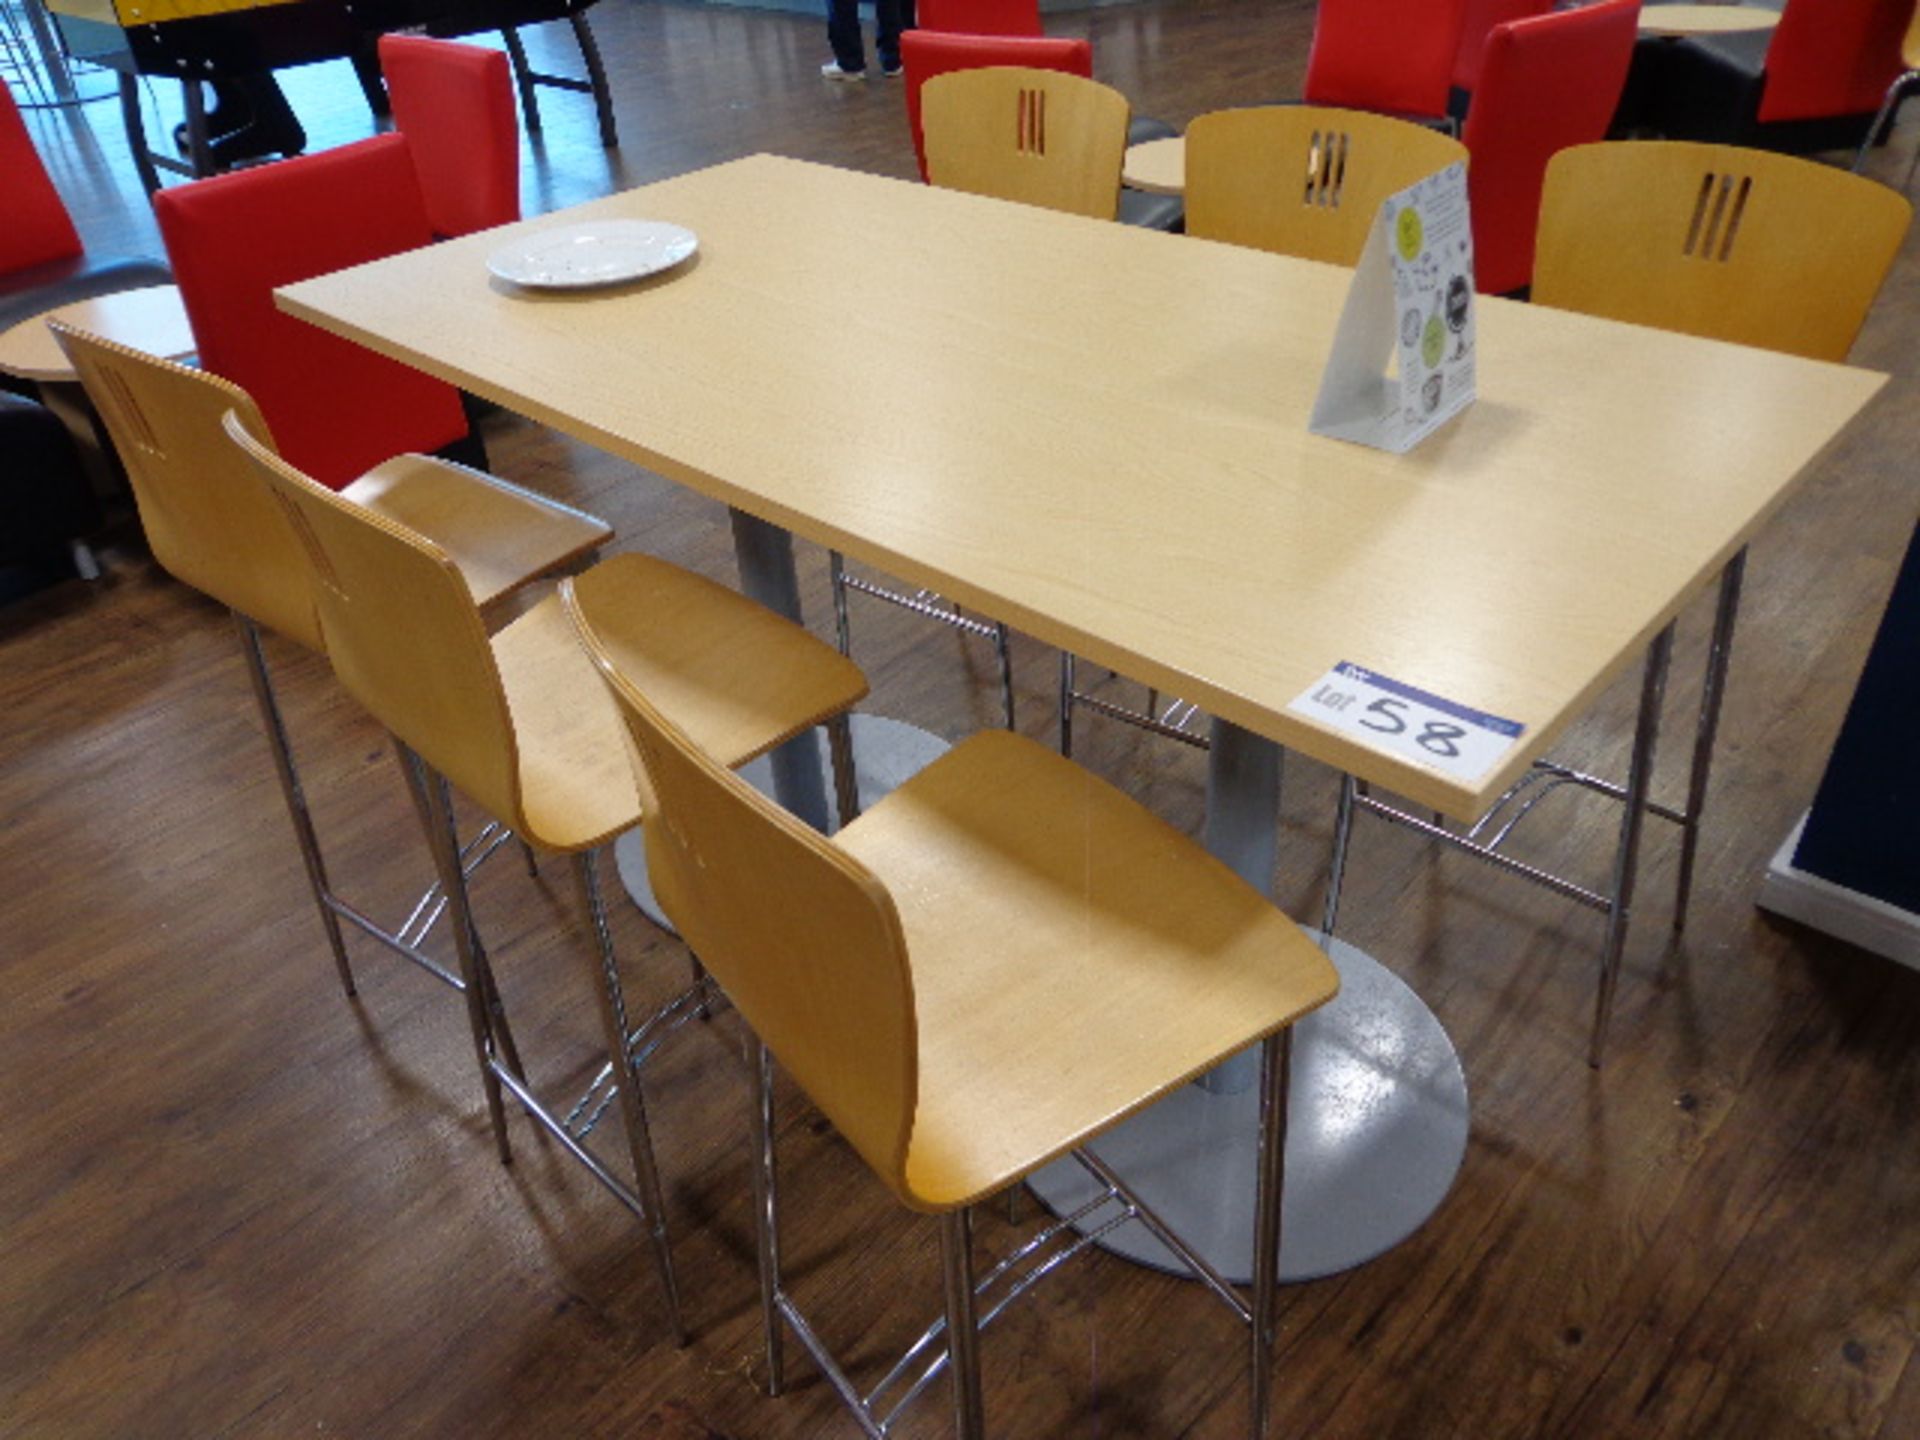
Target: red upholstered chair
<point>1390,55</point>
<point>454,103</point>
<point>1546,83</point>
<point>926,53</point>
<point>1832,57</point>
<point>1476,26</point>
<point>981,17</point>
<point>1813,83</point>
<point>42,262</point>
<point>336,408</point>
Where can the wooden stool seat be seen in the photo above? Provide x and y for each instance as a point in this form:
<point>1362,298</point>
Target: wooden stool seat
<point>1073,958</point>
<point>725,668</point>
<point>501,536</point>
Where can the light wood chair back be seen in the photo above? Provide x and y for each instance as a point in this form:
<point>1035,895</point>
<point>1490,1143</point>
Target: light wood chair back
<point>207,519</point>
<point>1742,245</point>
<point>1303,180</point>
<point>403,632</point>
<point>803,938</point>
<point>1041,137</point>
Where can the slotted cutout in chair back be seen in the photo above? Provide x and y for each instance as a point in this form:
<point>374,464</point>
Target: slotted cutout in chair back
<point>1327,155</point>
<point>803,938</point>
<point>1303,180</point>
<point>1742,245</point>
<point>1042,137</point>
<point>1716,216</point>
<point>1031,124</point>
<point>404,635</point>
<point>205,515</point>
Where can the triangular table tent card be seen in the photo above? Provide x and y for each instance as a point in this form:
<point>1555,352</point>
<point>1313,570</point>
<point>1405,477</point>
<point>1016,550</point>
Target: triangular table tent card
<point>1412,293</point>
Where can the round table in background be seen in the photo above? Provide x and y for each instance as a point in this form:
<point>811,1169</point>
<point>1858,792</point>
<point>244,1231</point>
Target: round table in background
<point>1678,21</point>
<point>152,319</point>
<point>1156,166</point>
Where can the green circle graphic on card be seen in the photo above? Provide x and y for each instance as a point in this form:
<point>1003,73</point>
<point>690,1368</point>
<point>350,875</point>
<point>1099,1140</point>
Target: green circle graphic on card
<point>1412,234</point>
<point>1433,341</point>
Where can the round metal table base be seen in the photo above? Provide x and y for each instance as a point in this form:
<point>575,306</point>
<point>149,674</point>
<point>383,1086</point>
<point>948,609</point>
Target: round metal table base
<point>1376,1131</point>
<point>886,753</point>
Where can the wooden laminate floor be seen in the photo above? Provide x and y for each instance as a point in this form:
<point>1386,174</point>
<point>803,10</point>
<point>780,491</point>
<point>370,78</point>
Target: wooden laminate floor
<point>233,1203</point>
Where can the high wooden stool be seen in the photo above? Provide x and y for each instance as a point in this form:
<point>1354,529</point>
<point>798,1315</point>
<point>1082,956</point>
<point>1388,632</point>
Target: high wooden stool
<point>519,724</point>
<point>991,967</point>
<point>212,527</point>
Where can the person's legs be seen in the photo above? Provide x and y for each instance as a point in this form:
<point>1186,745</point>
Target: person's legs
<point>843,34</point>
<point>893,17</point>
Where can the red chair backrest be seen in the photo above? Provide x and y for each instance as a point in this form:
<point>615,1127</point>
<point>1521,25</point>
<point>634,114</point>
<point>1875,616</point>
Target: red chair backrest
<point>454,103</point>
<point>1833,57</point>
<point>37,227</point>
<point>927,53</point>
<point>1546,83</point>
<point>981,17</point>
<point>336,408</point>
<point>1477,24</point>
<point>1390,55</point>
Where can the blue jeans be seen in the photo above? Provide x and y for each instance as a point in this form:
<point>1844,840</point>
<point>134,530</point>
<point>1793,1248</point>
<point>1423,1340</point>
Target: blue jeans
<point>843,32</point>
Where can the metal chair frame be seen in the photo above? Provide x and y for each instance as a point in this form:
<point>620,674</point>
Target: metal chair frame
<point>635,1043</point>
<point>405,939</point>
<point>972,1304</point>
<point>1616,902</point>
<point>500,1065</point>
<point>528,80</point>
<point>1169,724</point>
<point>925,603</point>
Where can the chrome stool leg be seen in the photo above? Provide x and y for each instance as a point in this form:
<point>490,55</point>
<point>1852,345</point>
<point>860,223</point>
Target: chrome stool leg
<point>445,838</point>
<point>414,771</point>
<point>1002,649</point>
<point>846,779</point>
<point>963,1331</point>
<point>633,1110</point>
<point>766,1210</point>
<point>1276,1067</point>
<point>1720,653</point>
<point>1337,867</point>
<point>290,788</point>
<point>1066,703</point>
<point>1627,858</point>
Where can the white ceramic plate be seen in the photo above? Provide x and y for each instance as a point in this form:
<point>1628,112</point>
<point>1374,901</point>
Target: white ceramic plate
<point>601,252</point>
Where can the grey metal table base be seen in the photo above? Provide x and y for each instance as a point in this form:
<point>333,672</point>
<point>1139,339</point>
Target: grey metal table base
<point>1376,1131</point>
<point>886,753</point>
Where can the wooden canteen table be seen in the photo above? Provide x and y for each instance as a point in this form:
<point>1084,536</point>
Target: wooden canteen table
<point>1108,449</point>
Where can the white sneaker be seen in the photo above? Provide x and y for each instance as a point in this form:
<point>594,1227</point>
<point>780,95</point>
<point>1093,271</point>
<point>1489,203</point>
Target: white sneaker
<point>832,71</point>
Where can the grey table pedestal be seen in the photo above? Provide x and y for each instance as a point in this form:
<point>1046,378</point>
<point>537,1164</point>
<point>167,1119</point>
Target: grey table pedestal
<point>1377,1123</point>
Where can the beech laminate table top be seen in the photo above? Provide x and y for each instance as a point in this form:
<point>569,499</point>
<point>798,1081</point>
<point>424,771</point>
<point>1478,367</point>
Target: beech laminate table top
<point>1099,435</point>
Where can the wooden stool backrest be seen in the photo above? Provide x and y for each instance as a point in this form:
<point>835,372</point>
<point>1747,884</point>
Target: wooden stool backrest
<point>209,522</point>
<point>803,938</point>
<point>1303,180</point>
<point>1742,245</point>
<point>404,635</point>
<point>1041,137</point>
